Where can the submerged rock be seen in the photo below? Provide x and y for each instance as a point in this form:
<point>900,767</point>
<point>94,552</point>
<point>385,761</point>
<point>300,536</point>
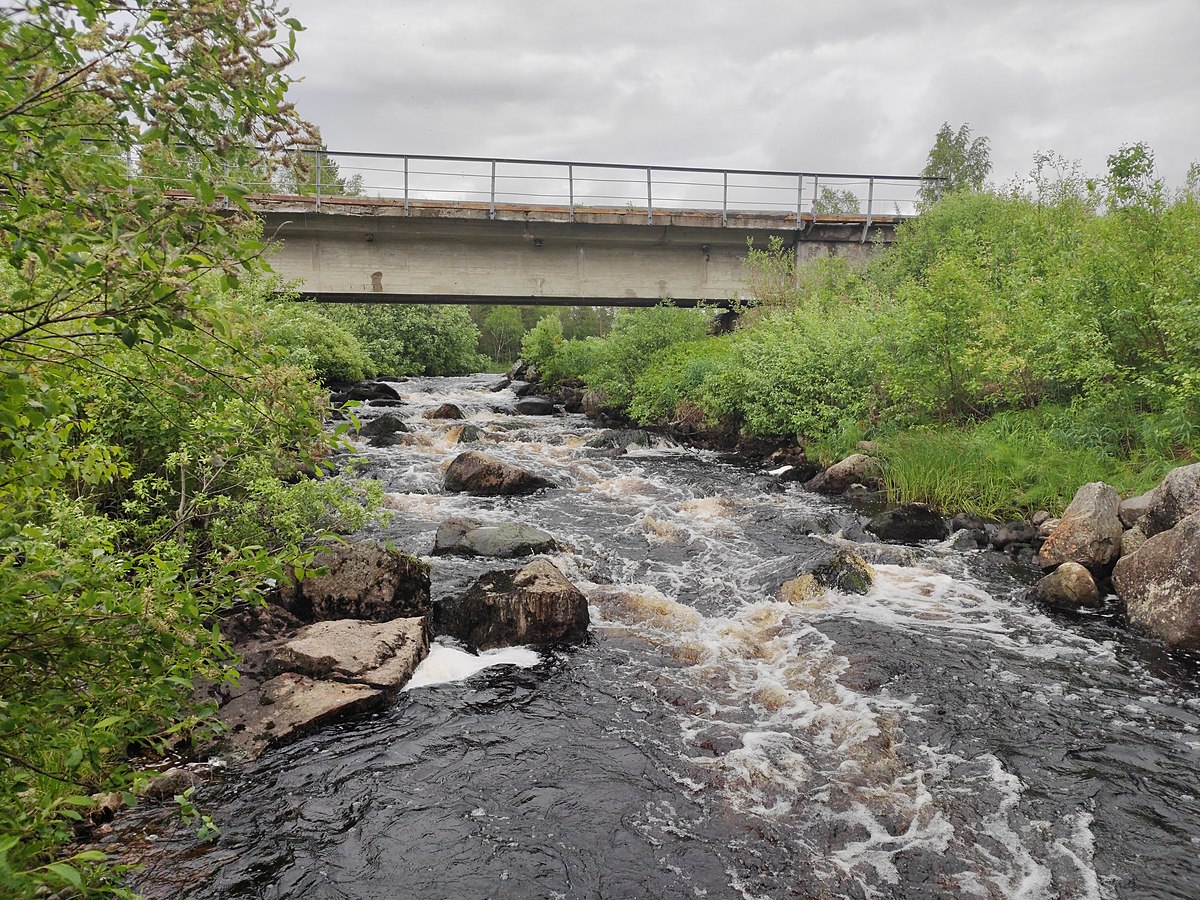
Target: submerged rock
<point>837,570</point>
<point>477,473</point>
<point>1160,584</point>
<point>291,706</point>
<point>1068,587</point>
<point>378,654</point>
<point>362,581</point>
<point>535,605</point>
<point>1090,530</point>
<point>909,523</point>
<point>856,469</point>
<point>470,434</point>
<point>470,537</point>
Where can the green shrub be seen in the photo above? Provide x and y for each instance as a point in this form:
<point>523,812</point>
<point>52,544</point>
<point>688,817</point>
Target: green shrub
<point>314,341</point>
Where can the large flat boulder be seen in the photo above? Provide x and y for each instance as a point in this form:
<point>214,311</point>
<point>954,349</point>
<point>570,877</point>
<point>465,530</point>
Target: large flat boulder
<point>1090,530</point>
<point>856,469</point>
<point>290,706</point>
<point>1160,584</point>
<point>483,475</point>
<point>470,537</point>
<point>378,654</point>
<point>388,423</point>
<point>1177,497</point>
<point>360,581</point>
<point>534,605</point>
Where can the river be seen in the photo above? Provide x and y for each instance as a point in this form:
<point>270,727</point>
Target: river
<point>938,737</point>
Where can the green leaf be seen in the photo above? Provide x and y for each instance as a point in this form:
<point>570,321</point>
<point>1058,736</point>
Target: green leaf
<point>69,874</point>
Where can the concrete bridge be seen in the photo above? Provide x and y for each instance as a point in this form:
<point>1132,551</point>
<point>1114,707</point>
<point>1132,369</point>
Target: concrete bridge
<point>673,239</point>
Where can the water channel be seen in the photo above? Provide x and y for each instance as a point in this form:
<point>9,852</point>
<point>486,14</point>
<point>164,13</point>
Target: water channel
<point>939,737</point>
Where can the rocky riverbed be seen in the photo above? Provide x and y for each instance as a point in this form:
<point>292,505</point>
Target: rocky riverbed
<point>767,698</point>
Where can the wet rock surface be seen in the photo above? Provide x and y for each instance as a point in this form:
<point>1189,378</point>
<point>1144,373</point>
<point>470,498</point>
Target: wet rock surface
<point>382,655</point>
<point>1068,587</point>
<point>837,570</point>
<point>362,581</point>
<point>388,423</point>
<point>471,537</point>
<point>909,523</point>
<point>477,473</point>
<point>534,605</point>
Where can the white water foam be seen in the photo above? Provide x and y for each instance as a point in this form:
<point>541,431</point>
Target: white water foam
<point>446,663</point>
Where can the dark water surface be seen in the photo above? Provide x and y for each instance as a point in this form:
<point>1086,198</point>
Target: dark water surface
<point>938,737</point>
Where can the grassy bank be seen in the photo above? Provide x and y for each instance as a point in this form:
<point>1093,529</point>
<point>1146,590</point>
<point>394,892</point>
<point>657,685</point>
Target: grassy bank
<point>1007,348</point>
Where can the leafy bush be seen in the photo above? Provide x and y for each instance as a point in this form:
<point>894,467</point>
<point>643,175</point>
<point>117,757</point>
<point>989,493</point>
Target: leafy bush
<point>314,341</point>
<point>412,340</point>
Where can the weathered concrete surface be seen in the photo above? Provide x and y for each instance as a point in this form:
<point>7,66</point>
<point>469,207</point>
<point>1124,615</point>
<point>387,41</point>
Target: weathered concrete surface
<point>450,252</point>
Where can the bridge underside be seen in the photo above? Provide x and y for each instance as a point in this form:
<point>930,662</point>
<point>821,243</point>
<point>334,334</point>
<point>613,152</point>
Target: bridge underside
<point>358,251</point>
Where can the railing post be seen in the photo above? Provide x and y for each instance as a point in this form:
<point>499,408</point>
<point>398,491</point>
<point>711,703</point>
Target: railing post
<point>492,204</point>
<point>724,198</point>
<point>816,181</point>
<point>799,198</point>
<point>649,198</point>
<point>870,203</point>
<point>571,189</point>
<point>319,155</point>
<point>406,212</point>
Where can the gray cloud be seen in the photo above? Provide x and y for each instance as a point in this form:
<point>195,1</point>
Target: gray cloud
<point>767,83</point>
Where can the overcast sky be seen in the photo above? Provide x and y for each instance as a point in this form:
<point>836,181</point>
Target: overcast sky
<point>815,85</point>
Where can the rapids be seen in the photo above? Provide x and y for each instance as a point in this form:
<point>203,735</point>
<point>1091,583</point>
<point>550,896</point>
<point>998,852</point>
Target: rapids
<point>938,737</point>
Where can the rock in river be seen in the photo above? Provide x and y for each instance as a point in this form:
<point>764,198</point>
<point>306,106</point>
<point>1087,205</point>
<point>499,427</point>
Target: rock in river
<point>388,423</point>
<point>1090,530</point>
<point>470,537</point>
<point>482,475</point>
<point>1177,497</point>
<point>1069,587</point>
<point>445,411</point>
<point>361,581</point>
<point>909,523</point>
<point>1160,584</point>
<point>856,469</point>
<point>535,605</point>
<point>837,570</point>
<point>535,406</point>
<point>378,654</point>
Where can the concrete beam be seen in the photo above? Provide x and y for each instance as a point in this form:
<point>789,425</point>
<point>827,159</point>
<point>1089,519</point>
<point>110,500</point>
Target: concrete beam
<point>457,253</point>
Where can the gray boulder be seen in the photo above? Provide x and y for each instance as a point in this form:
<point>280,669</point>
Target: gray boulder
<point>381,655</point>
<point>535,605</point>
<point>290,706</point>
<point>484,476</point>
<point>1133,508</point>
<point>856,469</point>
<point>470,537</point>
<point>396,439</point>
<point>837,569</point>
<point>1014,532</point>
<point>1068,587</point>
<point>1132,540</point>
<point>1160,584</point>
<point>359,581</point>
<point>388,423</point>
<point>1090,530</point>
<point>535,406</point>
<point>909,523</point>
<point>1177,497</point>
<point>620,439</point>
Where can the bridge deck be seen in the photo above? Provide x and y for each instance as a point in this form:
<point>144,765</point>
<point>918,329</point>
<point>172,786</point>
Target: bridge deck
<point>522,212</point>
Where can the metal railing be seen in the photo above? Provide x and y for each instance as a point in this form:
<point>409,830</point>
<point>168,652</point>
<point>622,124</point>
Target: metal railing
<point>577,185</point>
<point>572,186</point>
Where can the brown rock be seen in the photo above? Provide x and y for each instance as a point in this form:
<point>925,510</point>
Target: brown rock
<point>534,605</point>
<point>856,469</point>
<point>378,654</point>
<point>1132,541</point>
<point>1090,530</point>
<point>1177,497</point>
<point>445,411</point>
<point>1070,587</point>
<point>482,475</point>
<point>361,581</point>
<point>1160,584</point>
<point>290,706</point>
